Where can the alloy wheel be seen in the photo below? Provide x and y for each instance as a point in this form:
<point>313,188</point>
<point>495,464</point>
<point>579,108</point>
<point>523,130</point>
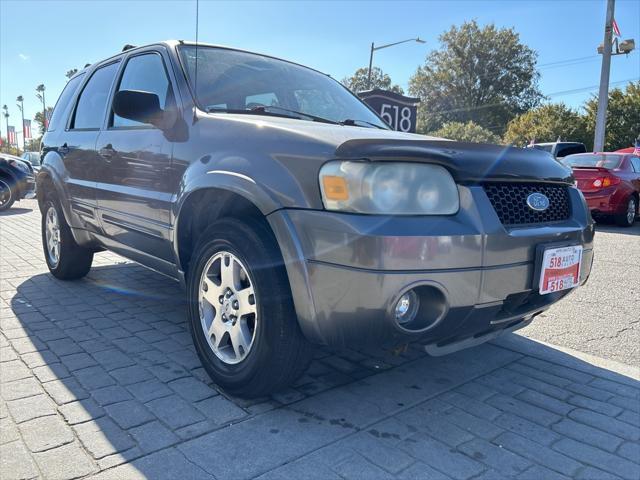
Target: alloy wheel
<point>228,307</point>
<point>5,193</point>
<point>52,236</point>
<point>631,210</point>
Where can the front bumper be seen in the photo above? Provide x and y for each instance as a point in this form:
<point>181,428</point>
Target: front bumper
<point>27,187</point>
<point>348,271</point>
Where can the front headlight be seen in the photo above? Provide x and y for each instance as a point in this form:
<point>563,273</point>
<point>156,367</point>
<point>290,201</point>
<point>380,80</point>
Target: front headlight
<point>388,188</point>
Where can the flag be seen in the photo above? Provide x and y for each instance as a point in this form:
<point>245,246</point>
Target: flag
<point>11,135</point>
<point>636,151</point>
<point>616,29</point>
<point>27,129</point>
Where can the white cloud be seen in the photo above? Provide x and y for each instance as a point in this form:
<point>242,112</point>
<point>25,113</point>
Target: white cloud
<point>24,57</point>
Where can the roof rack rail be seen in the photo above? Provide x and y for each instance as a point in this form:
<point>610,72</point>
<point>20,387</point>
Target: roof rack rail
<point>128,46</point>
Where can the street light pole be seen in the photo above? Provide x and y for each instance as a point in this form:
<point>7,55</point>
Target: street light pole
<point>374,48</point>
<point>603,94</point>
<point>370,64</point>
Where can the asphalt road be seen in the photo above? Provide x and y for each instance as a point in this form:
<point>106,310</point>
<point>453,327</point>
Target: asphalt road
<point>601,318</point>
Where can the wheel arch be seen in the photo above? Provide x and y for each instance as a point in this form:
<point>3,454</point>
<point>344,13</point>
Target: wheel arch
<point>236,197</point>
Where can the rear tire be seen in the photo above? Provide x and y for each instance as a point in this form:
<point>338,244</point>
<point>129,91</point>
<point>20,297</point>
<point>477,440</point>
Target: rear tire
<point>7,195</point>
<point>628,216</point>
<point>65,258</point>
<point>253,293</point>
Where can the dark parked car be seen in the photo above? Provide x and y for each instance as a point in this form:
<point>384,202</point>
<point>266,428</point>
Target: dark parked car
<point>33,158</point>
<point>16,181</point>
<point>560,149</point>
<point>610,183</point>
<point>293,215</point>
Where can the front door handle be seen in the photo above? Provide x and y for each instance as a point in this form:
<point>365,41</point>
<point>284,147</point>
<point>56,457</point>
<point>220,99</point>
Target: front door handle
<point>107,152</point>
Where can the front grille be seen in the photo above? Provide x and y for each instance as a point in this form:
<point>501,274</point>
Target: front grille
<point>510,202</point>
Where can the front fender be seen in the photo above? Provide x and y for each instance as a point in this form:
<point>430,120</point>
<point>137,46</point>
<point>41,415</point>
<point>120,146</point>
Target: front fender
<point>234,182</point>
<point>224,180</point>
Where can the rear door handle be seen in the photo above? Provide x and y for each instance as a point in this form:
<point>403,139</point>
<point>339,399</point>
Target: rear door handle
<point>107,152</point>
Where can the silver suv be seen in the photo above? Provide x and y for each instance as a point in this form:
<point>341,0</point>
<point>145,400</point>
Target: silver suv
<point>293,215</point>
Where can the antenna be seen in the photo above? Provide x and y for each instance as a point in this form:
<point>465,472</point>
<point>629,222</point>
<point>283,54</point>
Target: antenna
<point>195,82</point>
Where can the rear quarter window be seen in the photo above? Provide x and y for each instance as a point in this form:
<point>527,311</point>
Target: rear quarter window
<point>62,105</point>
<point>564,150</point>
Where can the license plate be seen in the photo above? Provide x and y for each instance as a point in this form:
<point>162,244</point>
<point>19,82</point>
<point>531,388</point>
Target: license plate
<point>560,269</point>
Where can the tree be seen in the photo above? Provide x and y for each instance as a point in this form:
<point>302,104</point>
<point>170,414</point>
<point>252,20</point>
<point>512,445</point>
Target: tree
<point>40,121</point>
<point>623,117</point>
<point>358,81</point>
<point>546,124</point>
<point>71,73</point>
<point>32,145</point>
<point>466,132</point>
<point>481,74</point>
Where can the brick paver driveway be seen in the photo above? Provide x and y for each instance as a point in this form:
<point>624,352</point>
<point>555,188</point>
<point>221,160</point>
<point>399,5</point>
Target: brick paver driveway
<point>99,378</point>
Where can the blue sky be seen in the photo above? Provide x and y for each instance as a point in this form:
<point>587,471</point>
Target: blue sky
<point>40,41</point>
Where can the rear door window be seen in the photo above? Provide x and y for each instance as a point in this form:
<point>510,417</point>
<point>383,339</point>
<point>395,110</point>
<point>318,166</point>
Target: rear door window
<point>92,104</point>
<point>63,102</point>
<point>146,73</point>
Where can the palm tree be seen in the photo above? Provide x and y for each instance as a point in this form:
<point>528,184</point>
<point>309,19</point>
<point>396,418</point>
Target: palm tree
<point>40,89</point>
<point>20,105</point>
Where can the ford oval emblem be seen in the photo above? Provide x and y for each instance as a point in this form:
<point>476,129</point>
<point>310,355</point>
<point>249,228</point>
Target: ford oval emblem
<point>538,202</point>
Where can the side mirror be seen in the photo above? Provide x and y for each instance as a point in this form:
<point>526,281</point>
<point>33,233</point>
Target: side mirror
<point>139,106</point>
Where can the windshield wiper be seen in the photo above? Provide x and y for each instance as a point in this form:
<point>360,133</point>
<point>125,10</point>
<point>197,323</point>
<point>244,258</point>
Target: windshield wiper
<point>266,110</point>
<point>354,123</point>
<point>315,118</point>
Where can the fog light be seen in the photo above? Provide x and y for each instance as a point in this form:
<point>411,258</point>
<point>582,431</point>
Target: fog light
<point>407,307</point>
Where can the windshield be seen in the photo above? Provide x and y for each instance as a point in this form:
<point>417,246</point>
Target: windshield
<point>546,148</point>
<point>229,80</point>
<point>591,160</point>
<point>33,158</point>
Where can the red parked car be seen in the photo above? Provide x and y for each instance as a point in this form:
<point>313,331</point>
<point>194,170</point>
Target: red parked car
<point>610,183</point>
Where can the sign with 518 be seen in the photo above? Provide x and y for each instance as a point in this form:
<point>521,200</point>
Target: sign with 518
<point>398,111</point>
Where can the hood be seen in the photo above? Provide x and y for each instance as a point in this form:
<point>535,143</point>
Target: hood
<point>467,162</point>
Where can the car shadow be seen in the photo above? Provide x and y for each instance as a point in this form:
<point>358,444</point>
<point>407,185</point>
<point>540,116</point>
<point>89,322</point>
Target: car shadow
<point>15,211</point>
<point>610,227</point>
<point>114,354</point>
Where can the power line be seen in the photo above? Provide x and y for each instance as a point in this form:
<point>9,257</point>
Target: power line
<point>558,62</point>
<point>592,87</point>
<point>553,94</point>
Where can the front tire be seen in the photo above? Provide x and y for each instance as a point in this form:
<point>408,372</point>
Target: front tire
<point>7,195</point>
<point>628,216</point>
<point>241,313</point>
<point>65,258</point>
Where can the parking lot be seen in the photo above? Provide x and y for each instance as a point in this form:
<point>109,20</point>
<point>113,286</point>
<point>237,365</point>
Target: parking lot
<point>99,379</point>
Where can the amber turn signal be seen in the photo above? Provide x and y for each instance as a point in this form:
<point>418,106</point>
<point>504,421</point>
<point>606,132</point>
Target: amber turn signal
<point>335,188</point>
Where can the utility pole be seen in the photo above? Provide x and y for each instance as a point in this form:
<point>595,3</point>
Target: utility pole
<point>603,95</point>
